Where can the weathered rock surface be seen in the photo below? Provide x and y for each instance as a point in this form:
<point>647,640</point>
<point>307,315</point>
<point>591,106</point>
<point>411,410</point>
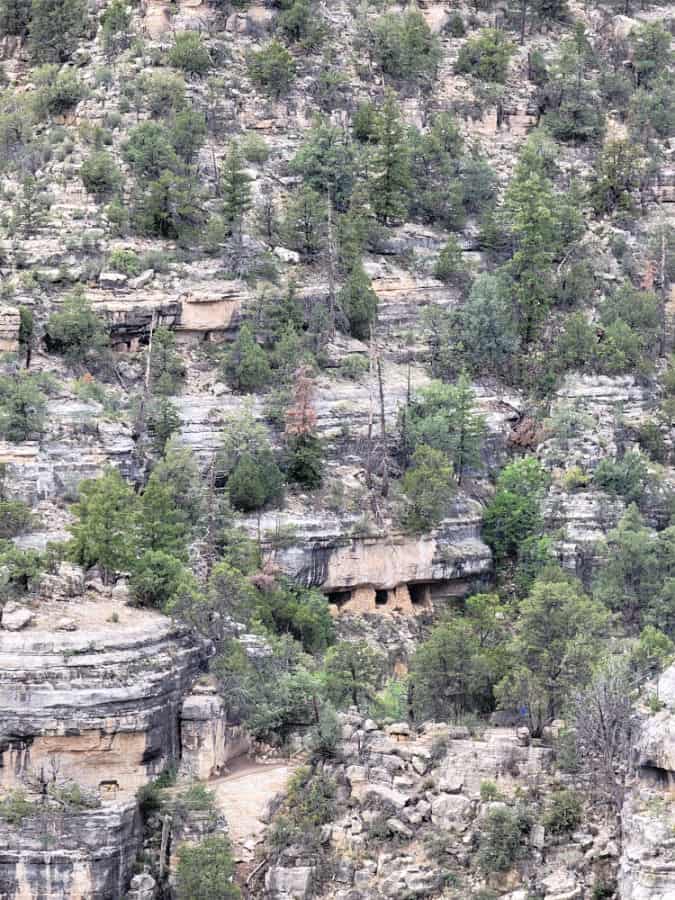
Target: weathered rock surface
<point>89,855</point>
<point>647,870</point>
<point>105,702</point>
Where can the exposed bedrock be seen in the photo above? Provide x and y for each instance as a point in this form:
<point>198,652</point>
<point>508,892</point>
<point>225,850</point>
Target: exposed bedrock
<point>104,703</point>
<point>387,572</point>
<point>647,869</point>
<point>84,856</point>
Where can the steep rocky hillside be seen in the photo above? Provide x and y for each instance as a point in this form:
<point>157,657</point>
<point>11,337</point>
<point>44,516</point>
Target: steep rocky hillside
<point>337,393</point>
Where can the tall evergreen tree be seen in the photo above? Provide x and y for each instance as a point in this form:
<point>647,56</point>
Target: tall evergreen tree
<point>391,181</point>
<point>105,532</point>
<point>236,189</point>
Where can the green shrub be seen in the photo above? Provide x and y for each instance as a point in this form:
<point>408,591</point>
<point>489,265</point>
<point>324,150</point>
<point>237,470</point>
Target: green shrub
<point>14,808</point>
<point>489,791</point>
<point>205,871</point>
<point>652,56</point>
<point>14,17</point>
<point>246,365</point>
<point>301,23</point>
<point>167,369</point>
<point>188,133</point>
<point>272,68</point>
<point>288,608</point>
<point>76,331</point>
<point>501,839</point>
<point>170,207</point>
<point>21,568</point>
<point>616,178</point>
<point>513,514</point>
<point>567,755</point>
<point>115,24</point>
<point>304,465</point>
<point>428,486</point>
<point>450,266</point>
<point>125,261</point>
<point>404,45</point>
<point>455,25</point>
<point>354,367</point>
<point>149,150</point>
<point>486,56</point>
<point>563,815</point>
<point>359,302</point>
<point>155,578</point>
<point>249,487</point>
<point>162,421</point>
<point>189,53</point>
<point>55,28</point>
<point>104,530</point>
<point>100,175</point>
<point>254,148</point>
<point>15,518</point>
<point>57,91</point>
<point>626,477</point>
<point>164,92</point>
<point>652,441</point>
<point>22,407</point>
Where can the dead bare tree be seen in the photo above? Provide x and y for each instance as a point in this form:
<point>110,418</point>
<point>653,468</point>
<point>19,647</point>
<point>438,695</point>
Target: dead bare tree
<point>605,724</point>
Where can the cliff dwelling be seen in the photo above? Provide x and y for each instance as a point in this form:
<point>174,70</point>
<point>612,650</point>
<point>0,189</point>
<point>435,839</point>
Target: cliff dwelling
<point>410,599</point>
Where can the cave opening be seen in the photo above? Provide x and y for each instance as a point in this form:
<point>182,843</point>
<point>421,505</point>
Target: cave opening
<point>419,594</point>
<point>339,598</point>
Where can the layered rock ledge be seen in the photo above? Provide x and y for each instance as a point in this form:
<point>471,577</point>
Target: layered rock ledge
<point>103,703</point>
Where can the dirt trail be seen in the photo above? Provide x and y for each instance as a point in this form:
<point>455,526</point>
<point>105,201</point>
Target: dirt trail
<point>242,795</point>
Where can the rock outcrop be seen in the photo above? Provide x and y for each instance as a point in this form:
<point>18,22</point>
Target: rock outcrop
<point>105,703</point>
<point>402,793</point>
<point>386,572</point>
<point>88,855</point>
<point>648,817</point>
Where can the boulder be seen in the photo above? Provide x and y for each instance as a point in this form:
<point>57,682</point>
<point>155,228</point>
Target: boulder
<point>286,255</point>
<point>285,883</point>
<point>397,827</point>
<point>66,583</point>
<point>450,810</point>
<point>112,280</point>
<point>15,617</point>
<point>141,280</point>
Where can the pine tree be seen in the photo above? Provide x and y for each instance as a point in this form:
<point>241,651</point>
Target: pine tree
<point>358,301</point>
<point>468,427</point>
<point>162,524</point>
<point>55,28</point>
<point>391,180</point>
<point>32,207</point>
<point>236,188</point>
<point>163,421</point>
<point>14,17</point>
<point>167,369</point>
<point>305,463</point>
<point>304,222</point>
<point>246,366</point>
<point>105,532</point>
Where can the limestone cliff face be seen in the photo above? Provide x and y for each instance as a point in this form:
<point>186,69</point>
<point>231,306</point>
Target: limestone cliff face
<point>85,856</point>
<point>104,703</point>
<point>106,708</point>
<point>388,571</point>
<point>648,818</point>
